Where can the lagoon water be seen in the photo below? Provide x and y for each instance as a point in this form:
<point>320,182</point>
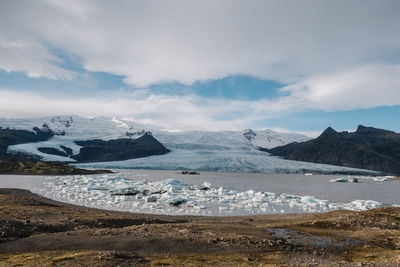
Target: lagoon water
<point>318,186</point>
<point>211,193</point>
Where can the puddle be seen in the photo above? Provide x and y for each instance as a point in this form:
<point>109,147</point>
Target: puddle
<point>305,239</point>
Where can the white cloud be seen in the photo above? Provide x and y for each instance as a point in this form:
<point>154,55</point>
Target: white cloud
<point>31,58</point>
<point>194,112</point>
<point>172,112</point>
<point>152,41</point>
<point>186,112</point>
<point>363,87</point>
<point>335,55</point>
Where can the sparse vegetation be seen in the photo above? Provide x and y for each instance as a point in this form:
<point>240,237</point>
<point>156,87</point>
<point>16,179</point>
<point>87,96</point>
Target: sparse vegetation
<point>42,168</point>
<point>49,233</point>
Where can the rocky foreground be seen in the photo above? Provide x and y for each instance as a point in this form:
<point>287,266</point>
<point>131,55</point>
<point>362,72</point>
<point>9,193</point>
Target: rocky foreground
<point>36,231</point>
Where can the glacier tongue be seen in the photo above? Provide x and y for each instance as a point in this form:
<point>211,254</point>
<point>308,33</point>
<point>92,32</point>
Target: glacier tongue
<point>118,192</point>
<point>222,160</point>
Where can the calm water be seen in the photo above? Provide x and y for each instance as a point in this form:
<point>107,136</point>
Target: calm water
<point>318,186</point>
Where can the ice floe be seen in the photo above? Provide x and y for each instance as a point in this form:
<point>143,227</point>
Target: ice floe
<point>171,196</point>
<point>357,179</point>
<point>382,178</point>
<point>346,180</point>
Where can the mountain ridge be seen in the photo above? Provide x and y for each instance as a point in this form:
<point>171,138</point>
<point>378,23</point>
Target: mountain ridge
<point>114,143</point>
<point>366,148</point>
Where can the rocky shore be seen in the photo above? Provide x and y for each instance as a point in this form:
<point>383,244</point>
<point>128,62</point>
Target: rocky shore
<point>36,231</point>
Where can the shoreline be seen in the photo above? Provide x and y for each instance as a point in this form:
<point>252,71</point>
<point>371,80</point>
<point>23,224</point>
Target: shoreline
<point>44,168</point>
<point>38,231</point>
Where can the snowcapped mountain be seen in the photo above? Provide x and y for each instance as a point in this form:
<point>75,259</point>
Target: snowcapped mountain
<point>67,130</point>
<point>79,127</point>
<point>223,139</point>
<point>82,139</point>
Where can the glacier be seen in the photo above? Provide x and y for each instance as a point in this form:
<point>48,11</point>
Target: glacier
<point>222,151</point>
<point>230,160</point>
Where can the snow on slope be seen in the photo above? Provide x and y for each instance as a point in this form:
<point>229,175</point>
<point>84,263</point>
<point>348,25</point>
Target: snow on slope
<point>77,127</point>
<point>270,139</point>
<point>68,129</point>
<point>224,140</point>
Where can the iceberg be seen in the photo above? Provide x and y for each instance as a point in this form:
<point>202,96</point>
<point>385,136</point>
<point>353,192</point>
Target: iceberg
<point>171,196</point>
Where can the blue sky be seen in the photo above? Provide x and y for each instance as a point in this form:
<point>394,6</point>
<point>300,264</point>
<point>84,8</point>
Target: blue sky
<point>238,65</point>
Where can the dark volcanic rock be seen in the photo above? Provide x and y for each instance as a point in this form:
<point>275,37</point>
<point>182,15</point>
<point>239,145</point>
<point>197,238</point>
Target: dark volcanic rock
<point>67,150</point>
<point>92,150</point>
<point>367,148</point>
<point>120,149</point>
<point>52,151</point>
<point>190,172</point>
<point>249,134</point>
<point>130,192</point>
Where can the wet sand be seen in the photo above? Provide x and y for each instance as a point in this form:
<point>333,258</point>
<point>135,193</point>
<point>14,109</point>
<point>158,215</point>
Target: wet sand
<point>36,231</point>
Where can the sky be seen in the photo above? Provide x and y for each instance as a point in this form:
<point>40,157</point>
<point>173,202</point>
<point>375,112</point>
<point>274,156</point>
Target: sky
<point>286,65</point>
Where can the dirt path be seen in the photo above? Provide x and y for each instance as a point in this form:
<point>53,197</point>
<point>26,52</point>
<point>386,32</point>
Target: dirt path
<point>35,231</point>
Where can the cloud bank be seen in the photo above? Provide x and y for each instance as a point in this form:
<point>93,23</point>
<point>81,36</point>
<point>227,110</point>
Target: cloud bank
<point>333,55</point>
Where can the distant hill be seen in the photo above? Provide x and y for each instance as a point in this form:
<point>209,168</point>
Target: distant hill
<point>367,148</point>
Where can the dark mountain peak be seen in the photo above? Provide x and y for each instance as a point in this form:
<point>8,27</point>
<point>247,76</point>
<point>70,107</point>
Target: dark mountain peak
<point>362,127</point>
<point>329,132</point>
<point>367,148</point>
<point>249,134</point>
<point>364,130</point>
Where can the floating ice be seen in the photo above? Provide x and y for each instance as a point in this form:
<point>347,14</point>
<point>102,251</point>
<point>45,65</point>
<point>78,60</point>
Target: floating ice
<point>356,179</point>
<point>382,178</point>
<point>346,180</point>
<point>118,192</point>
